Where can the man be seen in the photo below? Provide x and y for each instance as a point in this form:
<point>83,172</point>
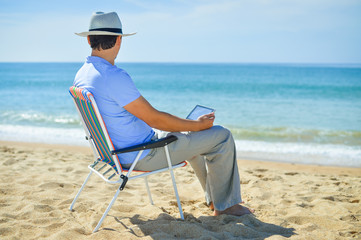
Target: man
<point>130,120</point>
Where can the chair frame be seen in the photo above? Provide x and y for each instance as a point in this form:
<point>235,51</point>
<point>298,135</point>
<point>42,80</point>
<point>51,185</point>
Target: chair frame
<point>79,95</point>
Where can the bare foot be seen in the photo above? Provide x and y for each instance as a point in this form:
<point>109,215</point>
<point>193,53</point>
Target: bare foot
<point>236,210</point>
<point>211,206</point>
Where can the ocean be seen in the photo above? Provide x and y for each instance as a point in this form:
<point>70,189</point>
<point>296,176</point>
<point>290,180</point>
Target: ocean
<point>299,113</point>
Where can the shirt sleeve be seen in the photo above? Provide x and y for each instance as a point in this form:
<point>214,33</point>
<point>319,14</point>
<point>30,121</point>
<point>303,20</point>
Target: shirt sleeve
<point>122,88</point>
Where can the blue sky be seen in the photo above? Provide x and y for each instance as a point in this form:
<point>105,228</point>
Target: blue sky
<point>260,31</point>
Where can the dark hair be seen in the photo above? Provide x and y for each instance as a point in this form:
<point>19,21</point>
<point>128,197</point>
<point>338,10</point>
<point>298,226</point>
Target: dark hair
<point>98,42</point>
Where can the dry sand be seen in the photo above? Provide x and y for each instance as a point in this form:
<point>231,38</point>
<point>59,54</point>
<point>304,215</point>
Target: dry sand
<point>38,183</point>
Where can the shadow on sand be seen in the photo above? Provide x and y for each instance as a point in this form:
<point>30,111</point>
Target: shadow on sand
<point>205,227</point>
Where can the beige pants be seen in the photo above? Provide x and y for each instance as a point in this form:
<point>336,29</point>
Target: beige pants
<point>212,155</point>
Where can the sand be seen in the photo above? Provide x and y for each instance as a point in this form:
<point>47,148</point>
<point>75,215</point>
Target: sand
<point>39,181</point>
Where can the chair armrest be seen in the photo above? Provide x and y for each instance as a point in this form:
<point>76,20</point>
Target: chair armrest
<point>148,145</point>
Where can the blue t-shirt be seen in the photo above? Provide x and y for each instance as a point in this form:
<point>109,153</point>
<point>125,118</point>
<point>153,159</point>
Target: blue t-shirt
<point>113,89</point>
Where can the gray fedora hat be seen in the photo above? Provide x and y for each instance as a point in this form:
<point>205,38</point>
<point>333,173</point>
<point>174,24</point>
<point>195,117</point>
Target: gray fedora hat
<point>105,24</point>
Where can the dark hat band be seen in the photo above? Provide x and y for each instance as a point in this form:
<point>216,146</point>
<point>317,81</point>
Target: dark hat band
<point>113,30</point>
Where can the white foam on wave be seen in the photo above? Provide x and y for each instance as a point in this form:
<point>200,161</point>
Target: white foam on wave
<point>305,153</point>
<point>39,118</point>
<point>68,136</point>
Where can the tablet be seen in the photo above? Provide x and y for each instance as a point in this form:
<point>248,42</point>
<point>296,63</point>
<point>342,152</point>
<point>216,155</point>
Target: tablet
<point>199,111</point>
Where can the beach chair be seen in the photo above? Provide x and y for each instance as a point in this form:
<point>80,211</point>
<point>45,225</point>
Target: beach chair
<point>107,165</point>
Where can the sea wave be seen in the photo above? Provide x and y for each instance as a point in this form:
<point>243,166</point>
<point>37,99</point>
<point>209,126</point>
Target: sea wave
<point>305,153</point>
<point>20,133</point>
<point>298,135</point>
<point>293,152</point>
<point>39,119</point>
<point>284,134</point>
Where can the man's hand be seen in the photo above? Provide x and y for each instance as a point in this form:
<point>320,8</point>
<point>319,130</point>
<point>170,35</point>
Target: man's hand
<point>206,121</point>
<point>142,109</point>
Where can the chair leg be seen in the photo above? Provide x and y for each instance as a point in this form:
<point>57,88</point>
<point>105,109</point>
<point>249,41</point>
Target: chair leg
<point>148,190</point>
<point>80,190</point>
<point>106,211</point>
<point>174,183</point>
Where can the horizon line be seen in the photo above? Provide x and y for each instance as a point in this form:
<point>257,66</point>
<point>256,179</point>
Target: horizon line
<point>182,62</point>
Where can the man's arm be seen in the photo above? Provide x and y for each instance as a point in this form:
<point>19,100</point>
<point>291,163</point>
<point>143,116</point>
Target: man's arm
<point>143,110</point>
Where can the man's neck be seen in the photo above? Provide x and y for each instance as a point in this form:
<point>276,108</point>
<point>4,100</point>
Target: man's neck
<point>105,54</point>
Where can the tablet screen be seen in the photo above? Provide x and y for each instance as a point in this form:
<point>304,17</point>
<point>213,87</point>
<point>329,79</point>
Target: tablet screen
<point>199,111</point>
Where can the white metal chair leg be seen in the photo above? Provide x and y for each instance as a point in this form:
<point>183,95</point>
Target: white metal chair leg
<point>174,183</point>
<point>80,190</point>
<point>148,190</point>
<point>106,211</point>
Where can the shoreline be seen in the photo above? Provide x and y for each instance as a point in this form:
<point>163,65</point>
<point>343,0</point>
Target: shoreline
<point>309,168</point>
<point>311,153</point>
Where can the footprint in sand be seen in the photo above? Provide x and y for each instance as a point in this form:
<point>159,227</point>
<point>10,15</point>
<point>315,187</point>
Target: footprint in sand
<point>265,196</point>
<point>245,181</point>
<point>261,170</point>
<point>54,226</point>
<point>53,169</point>
<point>291,173</point>
<point>305,205</point>
<point>160,185</point>
<point>6,231</point>
<point>11,162</point>
<point>43,208</point>
<point>350,217</point>
<point>51,185</point>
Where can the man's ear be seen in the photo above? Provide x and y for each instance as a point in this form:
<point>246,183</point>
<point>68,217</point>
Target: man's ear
<point>88,37</point>
<point>119,40</point>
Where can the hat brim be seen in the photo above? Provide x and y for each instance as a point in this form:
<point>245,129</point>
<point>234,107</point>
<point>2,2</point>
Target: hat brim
<point>85,34</point>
